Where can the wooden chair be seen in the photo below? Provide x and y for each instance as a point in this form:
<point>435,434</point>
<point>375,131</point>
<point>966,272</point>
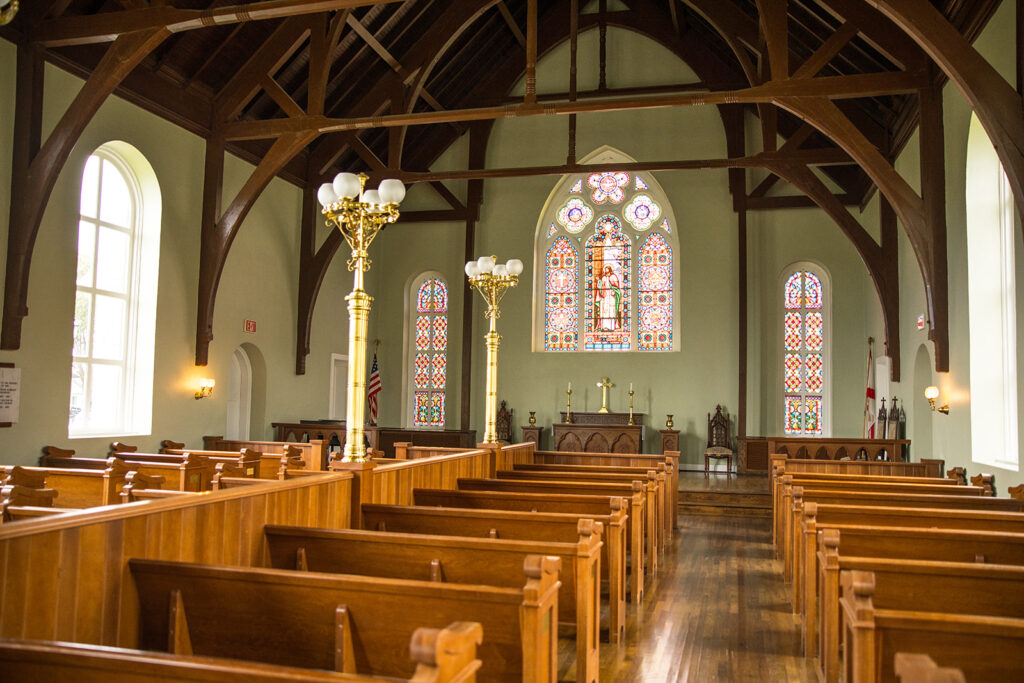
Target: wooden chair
<point>718,440</point>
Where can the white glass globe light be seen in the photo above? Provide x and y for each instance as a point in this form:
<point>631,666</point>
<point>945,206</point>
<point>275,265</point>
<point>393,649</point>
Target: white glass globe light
<point>346,185</point>
<point>371,197</point>
<point>391,191</point>
<point>485,264</point>
<point>471,269</point>
<point>931,393</point>
<point>515,266</point>
<point>500,270</point>
<point>326,194</point>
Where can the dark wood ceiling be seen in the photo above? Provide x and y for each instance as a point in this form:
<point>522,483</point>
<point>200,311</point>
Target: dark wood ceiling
<point>474,52</point>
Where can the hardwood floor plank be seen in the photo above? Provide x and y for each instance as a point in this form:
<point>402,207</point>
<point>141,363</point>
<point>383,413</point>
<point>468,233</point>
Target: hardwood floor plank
<point>717,611</point>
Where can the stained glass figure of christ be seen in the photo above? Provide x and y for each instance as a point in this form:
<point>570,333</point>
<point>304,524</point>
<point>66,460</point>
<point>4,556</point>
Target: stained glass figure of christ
<point>608,287</point>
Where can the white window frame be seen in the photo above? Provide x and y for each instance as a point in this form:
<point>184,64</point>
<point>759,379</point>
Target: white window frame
<point>992,305</point>
<point>135,408</point>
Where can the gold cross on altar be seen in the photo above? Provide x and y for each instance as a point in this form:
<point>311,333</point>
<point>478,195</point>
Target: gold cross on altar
<point>604,385</point>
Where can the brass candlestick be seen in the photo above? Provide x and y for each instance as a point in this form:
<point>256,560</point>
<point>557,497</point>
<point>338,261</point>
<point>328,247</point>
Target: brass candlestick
<point>492,281</point>
<point>533,418</point>
<point>631,404</point>
<point>359,214</point>
<point>568,406</point>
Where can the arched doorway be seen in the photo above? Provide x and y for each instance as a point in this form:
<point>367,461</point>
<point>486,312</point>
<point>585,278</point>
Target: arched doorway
<point>921,427</point>
<point>246,400</point>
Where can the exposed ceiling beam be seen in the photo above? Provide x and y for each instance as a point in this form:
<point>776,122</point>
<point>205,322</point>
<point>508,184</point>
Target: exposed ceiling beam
<point>105,27</point>
<point>830,87</point>
<point>513,26</point>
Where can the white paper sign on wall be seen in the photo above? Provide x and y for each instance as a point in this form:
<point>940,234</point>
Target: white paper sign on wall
<point>10,394</point>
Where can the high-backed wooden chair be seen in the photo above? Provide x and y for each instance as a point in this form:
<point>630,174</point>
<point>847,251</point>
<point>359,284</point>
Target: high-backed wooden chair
<point>718,440</point>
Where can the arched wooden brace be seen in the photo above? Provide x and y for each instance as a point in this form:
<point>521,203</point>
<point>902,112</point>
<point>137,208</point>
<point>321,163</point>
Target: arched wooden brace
<point>998,106</point>
<point>313,264</point>
<point>218,233</point>
<point>881,261</point>
<point>426,54</point>
<point>32,180</point>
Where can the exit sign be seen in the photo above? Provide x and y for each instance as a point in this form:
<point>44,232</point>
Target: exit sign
<point>250,326</point>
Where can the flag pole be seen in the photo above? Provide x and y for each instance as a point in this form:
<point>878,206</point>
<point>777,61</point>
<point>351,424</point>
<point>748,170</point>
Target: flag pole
<point>867,378</point>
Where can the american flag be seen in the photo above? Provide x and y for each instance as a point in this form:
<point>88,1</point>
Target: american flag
<point>372,389</point>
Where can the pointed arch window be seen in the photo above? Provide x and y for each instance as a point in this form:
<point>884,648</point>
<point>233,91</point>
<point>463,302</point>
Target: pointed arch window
<point>804,354</point>
<point>430,352</point>
<point>605,261</point>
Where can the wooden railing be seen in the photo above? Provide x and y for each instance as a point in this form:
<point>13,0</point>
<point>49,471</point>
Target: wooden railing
<point>66,577</point>
<point>925,468</point>
<point>812,448</point>
<point>392,484</point>
<point>515,454</point>
<point>404,450</point>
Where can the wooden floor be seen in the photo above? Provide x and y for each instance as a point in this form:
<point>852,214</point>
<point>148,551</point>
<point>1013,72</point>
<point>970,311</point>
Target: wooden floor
<point>717,611</point>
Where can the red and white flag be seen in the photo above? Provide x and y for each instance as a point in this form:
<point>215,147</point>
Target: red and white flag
<point>372,389</point>
<point>869,400</point>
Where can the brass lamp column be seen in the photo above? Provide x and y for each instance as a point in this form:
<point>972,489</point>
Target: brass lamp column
<point>492,281</point>
<point>359,214</point>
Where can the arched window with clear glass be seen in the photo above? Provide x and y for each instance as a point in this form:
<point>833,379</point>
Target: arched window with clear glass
<point>804,360</point>
<point>115,295</point>
<point>429,351</point>
<point>605,260</point>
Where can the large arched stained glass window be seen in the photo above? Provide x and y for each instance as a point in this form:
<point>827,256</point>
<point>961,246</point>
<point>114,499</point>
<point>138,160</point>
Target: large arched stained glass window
<point>431,353</point>
<point>604,256</point>
<point>804,354</point>
<point>655,294</point>
<point>561,290</point>
<point>608,287</point>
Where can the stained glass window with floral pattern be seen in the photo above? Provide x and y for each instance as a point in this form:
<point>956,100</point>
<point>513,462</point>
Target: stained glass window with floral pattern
<point>655,328</point>
<point>596,228</point>
<point>803,367</point>
<point>430,357</point>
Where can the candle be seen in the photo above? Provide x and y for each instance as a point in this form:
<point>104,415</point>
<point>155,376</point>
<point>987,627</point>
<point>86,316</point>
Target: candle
<point>631,387</point>
<point>570,386</point>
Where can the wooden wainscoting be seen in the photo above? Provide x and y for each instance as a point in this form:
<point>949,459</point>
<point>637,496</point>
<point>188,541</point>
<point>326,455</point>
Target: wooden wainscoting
<point>67,578</point>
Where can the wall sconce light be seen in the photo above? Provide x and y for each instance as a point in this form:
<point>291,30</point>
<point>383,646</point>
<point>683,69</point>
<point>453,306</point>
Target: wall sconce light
<point>931,393</point>
<point>205,388</point>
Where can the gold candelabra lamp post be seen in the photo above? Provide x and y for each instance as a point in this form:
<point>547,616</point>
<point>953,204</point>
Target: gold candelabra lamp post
<point>630,403</point>
<point>8,8</point>
<point>492,280</point>
<point>359,214</point>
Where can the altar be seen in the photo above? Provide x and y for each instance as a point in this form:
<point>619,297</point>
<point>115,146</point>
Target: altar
<point>599,433</point>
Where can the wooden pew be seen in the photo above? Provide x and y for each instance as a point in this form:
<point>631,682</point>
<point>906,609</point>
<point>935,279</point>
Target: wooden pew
<point>647,510</point>
<point>455,559</point>
<point>441,656</point>
<point>985,648</point>
<point>670,458</point>
<point>670,503</point>
<point>820,516</point>
<point>188,473</point>
<point>947,545</point>
<point>269,466</point>
<point>19,502</point>
<point>571,479</point>
<point>138,487</point>
<point>81,488</point>
<point>340,622</point>
<point>927,467</point>
<point>794,559</point>
<point>314,453</point>
<point>619,530</point>
<point>881,493</point>
<point>804,478</point>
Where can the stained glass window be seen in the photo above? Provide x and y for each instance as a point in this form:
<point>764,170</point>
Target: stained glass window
<point>608,279</point>
<point>655,326</point>
<point>803,375</point>
<point>561,330</point>
<point>431,353</point>
<point>595,299</point>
